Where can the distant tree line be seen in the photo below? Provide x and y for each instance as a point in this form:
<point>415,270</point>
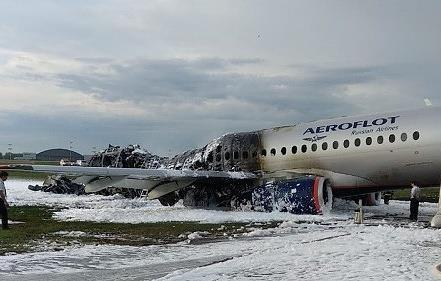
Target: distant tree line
<point>9,155</point>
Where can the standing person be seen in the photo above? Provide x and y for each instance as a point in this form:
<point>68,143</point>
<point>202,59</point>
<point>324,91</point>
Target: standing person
<point>3,203</point>
<point>414,201</point>
<point>387,196</point>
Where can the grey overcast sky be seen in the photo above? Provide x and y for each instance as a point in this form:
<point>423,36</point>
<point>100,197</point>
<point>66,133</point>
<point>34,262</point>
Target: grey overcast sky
<point>172,74</point>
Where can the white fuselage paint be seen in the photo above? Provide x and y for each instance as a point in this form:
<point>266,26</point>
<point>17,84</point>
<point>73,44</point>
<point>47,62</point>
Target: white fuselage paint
<point>388,165</point>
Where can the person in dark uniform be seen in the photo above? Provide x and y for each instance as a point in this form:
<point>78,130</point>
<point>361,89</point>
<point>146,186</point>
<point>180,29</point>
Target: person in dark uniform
<point>414,201</point>
<point>387,195</point>
<point>3,203</point>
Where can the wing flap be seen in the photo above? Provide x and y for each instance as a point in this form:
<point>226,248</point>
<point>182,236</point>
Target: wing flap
<point>167,187</point>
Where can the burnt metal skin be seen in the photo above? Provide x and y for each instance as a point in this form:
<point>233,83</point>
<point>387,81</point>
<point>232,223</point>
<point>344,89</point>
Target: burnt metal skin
<point>237,152</point>
<point>231,152</point>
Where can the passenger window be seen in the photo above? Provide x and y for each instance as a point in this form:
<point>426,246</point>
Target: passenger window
<point>254,154</point>
<point>263,152</point>
<point>346,143</point>
<point>314,147</point>
<point>245,155</point>
<point>236,155</point>
<point>304,148</point>
<point>325,146</point>
<point>416,135</point>
<point>404,137</point>
<point>227,155</point>
<point>368,140</point>
<point>283,150</point>
<point>380,139</point>
<point>357,142</point>
<point>210,157</point>
<point>218,157</point>
<point>392,138</point>
<point>335,144</point>
<point>294,149</point>
<point>273,151</point>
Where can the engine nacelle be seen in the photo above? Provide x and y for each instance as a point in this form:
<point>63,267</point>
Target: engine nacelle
<point>305,195</point>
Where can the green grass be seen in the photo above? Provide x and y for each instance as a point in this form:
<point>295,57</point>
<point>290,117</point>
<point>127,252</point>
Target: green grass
<point>428,194</point>
<point>27,174</point>
<point>31,162</point>
<point>38,228</point>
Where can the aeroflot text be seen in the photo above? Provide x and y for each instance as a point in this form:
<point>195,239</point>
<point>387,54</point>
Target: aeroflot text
<point>353,125</point>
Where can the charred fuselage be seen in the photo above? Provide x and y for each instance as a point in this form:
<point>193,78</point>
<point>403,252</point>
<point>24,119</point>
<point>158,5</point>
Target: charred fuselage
<point>231,152</point>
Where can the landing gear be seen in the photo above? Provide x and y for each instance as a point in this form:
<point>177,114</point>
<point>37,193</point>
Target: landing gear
<point>199,198</point>
<point>372,199</point>
<point>169,199</point>
<point>436,221</point>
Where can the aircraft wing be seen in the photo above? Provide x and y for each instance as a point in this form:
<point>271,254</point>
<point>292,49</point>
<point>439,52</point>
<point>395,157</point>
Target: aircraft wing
<point>157,182</point>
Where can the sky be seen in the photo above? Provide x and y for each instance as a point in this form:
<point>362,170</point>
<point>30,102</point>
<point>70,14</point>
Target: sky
<point>170,75</point>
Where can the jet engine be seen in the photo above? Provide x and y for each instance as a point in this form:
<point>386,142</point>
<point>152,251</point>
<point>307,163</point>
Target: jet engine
<point>305,195</point>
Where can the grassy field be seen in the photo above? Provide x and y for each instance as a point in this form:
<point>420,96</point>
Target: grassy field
<point>429,194</point>
<point>38,231</point>
<point>32,162</point>
<point>27,174</point>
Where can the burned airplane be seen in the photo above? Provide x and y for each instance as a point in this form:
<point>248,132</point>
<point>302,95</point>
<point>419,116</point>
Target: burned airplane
<point>297,168</point>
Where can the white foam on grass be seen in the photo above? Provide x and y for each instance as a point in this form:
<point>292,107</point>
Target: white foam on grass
<point>297,250</point>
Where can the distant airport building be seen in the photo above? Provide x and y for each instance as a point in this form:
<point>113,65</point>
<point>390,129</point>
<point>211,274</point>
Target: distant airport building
<point>26,156</point>
<point>58,154</point>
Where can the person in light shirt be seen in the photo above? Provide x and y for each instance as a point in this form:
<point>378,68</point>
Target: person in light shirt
<point>3,203</point>
<point>414,201</point>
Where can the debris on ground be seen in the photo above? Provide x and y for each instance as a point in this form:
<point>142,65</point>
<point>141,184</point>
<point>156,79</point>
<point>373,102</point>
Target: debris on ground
<point>60,185</point>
